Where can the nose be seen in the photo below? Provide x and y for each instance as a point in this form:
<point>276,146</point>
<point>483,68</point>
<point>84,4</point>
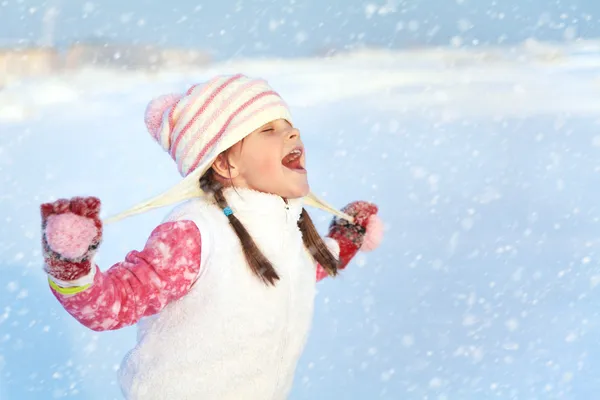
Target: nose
<point>294,134</point>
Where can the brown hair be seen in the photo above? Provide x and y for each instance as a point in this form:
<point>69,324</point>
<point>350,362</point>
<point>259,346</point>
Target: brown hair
<point>258,263</point>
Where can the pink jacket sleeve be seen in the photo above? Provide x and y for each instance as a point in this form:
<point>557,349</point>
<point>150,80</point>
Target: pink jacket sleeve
<point>321,273</point>
<point>144,283</point>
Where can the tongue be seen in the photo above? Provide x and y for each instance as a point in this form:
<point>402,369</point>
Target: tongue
<point>293,164</point>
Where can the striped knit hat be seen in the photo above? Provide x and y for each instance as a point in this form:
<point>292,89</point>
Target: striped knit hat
<point>197,126</point>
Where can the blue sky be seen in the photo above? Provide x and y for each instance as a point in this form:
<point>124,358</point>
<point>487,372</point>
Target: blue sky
<point>301,27</point>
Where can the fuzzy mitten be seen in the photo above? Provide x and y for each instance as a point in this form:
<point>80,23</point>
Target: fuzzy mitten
<point>71,233</point>
<point>364,234</point>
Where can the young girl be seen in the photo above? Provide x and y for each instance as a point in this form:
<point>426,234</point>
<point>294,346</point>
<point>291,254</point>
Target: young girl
<point>223,291</point>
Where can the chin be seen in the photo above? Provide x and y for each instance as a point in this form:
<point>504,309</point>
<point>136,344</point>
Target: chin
<point>289,186</point>
<point>298,191</point>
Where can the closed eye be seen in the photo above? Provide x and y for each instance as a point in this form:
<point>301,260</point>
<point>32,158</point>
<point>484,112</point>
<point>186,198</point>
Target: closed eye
<point>268,130</point>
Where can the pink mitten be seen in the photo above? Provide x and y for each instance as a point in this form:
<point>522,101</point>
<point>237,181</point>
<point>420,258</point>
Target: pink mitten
<point>373,234</point>
<point>71,233</point>
<point>364,234</point>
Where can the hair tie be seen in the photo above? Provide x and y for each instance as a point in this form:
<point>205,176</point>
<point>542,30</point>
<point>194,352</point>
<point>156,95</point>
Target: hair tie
<point>228,211</point>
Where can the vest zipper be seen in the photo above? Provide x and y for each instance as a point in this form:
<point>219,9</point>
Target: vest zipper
<point>285,325</point>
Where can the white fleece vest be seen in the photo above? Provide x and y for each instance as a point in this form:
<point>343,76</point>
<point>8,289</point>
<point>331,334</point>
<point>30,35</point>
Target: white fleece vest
<point>231,337</point>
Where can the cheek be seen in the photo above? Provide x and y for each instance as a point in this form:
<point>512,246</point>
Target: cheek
<point>270,165</point>
<point>265,165</point>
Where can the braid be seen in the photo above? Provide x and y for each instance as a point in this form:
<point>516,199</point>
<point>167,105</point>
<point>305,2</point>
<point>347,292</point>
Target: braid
<point>316,246</point>
<point>258,263</point>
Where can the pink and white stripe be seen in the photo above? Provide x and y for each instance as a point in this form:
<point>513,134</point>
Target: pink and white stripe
<point>197,126</point>
<point>210,121</point>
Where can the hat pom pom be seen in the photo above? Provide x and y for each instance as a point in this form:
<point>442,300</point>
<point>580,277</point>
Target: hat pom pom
<point>374,234</point>
<point>156,110</point>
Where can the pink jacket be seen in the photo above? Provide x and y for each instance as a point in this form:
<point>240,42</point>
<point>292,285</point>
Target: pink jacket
<point>145,282</point>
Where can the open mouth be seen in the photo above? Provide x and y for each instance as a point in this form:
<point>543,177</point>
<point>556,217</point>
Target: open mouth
<point>293,160</point>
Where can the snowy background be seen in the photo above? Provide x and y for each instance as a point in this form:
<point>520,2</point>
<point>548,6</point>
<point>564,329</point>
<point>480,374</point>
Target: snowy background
<point>485,161</point>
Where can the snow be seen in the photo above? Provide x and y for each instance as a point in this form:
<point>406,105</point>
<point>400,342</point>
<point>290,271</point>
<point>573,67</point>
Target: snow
<point>485,167</point>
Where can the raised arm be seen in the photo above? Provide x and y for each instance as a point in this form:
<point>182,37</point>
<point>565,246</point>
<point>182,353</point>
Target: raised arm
<point>141,285</point>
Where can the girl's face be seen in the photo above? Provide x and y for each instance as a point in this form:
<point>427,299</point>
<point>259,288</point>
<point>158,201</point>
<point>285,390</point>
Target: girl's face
<point>271,159</point>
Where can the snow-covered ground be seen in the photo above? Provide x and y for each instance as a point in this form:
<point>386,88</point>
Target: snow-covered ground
<point>486,166</point>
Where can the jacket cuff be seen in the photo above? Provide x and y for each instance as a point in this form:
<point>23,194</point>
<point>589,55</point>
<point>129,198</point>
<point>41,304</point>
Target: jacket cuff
<point>87,279</point>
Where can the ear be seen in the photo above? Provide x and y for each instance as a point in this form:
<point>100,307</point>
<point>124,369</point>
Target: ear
<point>224,167</point>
